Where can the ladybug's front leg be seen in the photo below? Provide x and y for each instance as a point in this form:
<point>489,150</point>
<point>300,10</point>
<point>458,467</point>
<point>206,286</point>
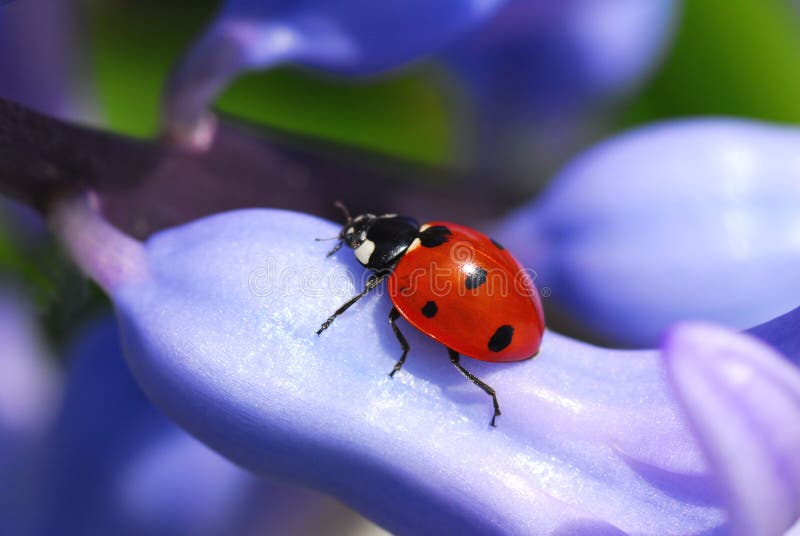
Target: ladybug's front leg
<point>394,314</point>
<point>374,281</point>
<point>454,359</point>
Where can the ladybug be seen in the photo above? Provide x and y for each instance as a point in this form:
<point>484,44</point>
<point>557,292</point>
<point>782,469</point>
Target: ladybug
<point>456,285</point>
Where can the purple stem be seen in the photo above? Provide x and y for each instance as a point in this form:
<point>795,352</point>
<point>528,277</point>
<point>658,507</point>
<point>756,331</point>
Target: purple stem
<point>103,252</point>
<point>145,185</point>
<point>42,156</point>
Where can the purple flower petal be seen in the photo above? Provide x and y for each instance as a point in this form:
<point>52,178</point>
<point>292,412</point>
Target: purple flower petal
<point>349,37</point>
<point>743,400</point>
<point>551,54</point>
<point>29,383</point>
<point>40,57</point>
<point>30,388</point>
<point>113,464</point>
<point>108,439</point>
<point>219,330</point>
<point>690,219</point>
<point>537,62</point>
<point>782,333</point>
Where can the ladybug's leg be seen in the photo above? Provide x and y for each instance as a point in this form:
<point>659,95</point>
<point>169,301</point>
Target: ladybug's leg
<point>373,282</point>
<point>394,314</point>
<point>454,359</point>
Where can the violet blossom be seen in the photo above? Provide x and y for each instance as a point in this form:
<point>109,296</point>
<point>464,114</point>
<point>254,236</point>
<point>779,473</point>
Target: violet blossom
<point>214,317</point>
<point>29,382</point>
<point>50,76</point>
<point>633,230</point>
<point>537,68</point>
<point>113,464</point>
<point>88,454</point>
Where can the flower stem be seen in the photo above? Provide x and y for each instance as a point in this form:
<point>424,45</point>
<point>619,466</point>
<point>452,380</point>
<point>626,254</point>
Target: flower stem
<point>202,75</point>
<point>42,156</point>
<point>102,251</point>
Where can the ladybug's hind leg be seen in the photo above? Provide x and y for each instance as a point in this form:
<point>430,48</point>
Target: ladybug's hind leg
<point>454,359</point>
<point>394,314</point>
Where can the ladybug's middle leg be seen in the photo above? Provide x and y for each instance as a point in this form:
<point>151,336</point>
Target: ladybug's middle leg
<point>454,359</point>
<point>373,282</point>
<point>394,314</point>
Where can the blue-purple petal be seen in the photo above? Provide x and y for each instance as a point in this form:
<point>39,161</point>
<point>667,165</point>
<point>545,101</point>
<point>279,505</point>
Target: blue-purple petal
<point>40,57</point>
<point>113,464</point>
<point>220,333</point>
<point>30,389</point>
<point>219,329</point>
<point>29,382</point>
<point>538,66</point>
<point>687,219</point>
<point>743,400</point>
<point>360,37</point>
<point>556,52</point>
<point>782,333</point>
<point>108,442</point>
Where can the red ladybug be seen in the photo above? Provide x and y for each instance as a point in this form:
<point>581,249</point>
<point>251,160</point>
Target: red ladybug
<point>451,282</point>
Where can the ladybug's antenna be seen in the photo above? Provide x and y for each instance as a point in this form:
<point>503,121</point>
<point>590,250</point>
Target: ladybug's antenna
<point>340,206</point>
<point>336,248</point>
<point>348,221</point>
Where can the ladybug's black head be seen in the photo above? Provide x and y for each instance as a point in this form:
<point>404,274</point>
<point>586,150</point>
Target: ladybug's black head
<point>354,232</point>
<point>378,241</point>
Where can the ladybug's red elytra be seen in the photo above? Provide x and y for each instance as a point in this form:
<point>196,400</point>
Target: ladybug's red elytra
<point>451,282</point>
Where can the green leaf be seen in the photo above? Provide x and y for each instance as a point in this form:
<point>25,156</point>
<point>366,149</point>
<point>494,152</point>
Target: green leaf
<point>731,57</point>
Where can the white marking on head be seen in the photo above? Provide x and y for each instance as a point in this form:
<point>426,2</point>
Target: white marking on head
<point>414,245</point>
<point>364,251</point>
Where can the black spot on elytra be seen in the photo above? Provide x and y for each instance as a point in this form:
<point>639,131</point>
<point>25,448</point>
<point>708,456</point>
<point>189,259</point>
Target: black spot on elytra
<point>501,338</point>
<point>430,309</point>
<point>475,279</point>
<point>434,236</point>
<point>497,244</point>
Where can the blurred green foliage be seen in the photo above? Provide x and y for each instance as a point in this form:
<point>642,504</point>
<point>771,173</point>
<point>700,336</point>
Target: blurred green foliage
<point>730,57</point>
<point>31,260</point>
